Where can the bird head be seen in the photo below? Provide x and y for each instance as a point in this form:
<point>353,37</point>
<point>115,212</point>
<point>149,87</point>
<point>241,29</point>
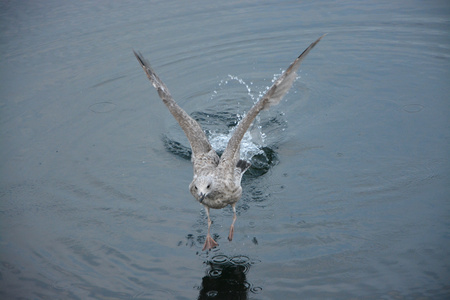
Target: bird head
<point>201,186</point>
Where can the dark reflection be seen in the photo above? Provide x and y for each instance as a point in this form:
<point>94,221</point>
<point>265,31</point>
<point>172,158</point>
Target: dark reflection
<point>261,163</point>
<point>177,148</point>
<point>226,278</point>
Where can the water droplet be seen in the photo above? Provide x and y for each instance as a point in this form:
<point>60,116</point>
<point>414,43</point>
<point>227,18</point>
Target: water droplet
<point>215,273</point>
<point>255,289</point>
<point>212,293</point>
<point>240,260</point>
<point>219,259</point>
<point>413,108</point>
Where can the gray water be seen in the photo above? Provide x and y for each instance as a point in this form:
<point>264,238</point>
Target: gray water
<point>349,196</point>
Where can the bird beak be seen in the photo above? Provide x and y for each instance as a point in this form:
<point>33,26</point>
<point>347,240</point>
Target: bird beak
<point>202,197</point>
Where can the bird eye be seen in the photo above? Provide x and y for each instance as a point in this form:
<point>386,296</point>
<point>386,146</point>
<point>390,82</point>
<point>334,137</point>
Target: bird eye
<point>208,186</point>
<point>195,187</point>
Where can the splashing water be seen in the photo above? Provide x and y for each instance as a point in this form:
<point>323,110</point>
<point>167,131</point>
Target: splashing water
<point>242,82</point>
<point>254,142</point>
<point>254,139</point>
<point>220,120</point>
<point>249,149</point>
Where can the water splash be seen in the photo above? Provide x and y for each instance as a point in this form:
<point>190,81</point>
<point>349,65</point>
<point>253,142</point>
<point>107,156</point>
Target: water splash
<point>220,120</point>
<point>248,147</point>
<point>242,82</point>
<point>254,139</point>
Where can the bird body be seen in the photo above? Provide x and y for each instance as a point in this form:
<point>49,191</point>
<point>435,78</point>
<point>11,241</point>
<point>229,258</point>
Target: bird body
<point>217,180</point>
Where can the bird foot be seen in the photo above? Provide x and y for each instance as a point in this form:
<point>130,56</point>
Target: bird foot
<point>209,243</point>
<point>230,235</point>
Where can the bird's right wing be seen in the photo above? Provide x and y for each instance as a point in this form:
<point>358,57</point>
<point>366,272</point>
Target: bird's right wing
<point>271,97</point>
<point>195,134</point>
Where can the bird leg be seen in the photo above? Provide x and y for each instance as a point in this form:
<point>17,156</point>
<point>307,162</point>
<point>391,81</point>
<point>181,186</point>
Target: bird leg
<point>209,242</point>
<point>230,236</point>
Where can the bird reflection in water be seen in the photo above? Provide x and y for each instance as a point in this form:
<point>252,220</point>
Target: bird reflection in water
<point>226,278</point>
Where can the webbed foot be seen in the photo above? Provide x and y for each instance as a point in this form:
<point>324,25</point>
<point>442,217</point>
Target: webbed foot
<point>209,243</point>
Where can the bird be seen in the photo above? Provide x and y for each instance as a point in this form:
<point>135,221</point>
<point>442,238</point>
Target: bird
<point>216,181</point>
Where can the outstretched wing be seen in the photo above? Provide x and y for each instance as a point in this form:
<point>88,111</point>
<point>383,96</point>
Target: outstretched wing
<point>272,97</point>
<point>195,134</point>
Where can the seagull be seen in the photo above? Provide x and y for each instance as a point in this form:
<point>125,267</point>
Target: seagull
<point>217,180</point>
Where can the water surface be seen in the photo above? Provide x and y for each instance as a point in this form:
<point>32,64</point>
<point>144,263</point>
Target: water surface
<point>349,194</point>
